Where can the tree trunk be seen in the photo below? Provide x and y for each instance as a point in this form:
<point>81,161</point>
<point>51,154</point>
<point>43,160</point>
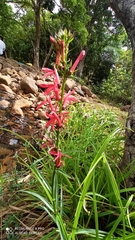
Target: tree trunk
<point>37,7</point>
<point>48,55</point>
<point>125,11</point>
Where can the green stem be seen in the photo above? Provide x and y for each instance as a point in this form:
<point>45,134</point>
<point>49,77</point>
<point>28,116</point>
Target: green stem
<point>63,88</point>
<point>60,105</point>
<point>53,189</point>
<point>95,207</point>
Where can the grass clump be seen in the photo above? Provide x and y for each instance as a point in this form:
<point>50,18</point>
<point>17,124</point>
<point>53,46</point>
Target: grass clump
<point>83,200</point>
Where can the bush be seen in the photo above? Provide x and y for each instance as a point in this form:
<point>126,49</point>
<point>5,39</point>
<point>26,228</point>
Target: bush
<point>118,87</point>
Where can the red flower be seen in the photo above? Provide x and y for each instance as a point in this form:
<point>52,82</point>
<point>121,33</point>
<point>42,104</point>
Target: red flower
<point>52,107</point>
<point>68,99</point>
<point>58,157</point>
<point>52,86</point>
<point>58,57</point>
<point>48,100</point>
<point>56,119</point>
<point>47,142</point>
<point>80,57</point>
<point>60,50</point>
<point>48,72</point>
<point>57,79</point>
<point>64,116</point>
<point>40,104</point>
<point>53,40</point>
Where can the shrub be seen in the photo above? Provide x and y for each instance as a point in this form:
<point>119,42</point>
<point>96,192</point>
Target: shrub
<point>118,87</point>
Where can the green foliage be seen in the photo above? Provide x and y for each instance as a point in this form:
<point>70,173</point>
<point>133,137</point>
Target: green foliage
<point>92,24</point>
<point>118,87</point>
<point>84,135</point>
<point>85,200</point>
<point>106,38</point>
<point>7,24</point>
<point>68,16</point>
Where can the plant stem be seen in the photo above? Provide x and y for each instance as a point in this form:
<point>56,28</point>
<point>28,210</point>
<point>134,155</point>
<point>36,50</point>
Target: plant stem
<point>60,104</point>
<point>95,207</point>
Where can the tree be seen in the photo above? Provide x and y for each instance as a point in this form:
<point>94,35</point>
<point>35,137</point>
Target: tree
<point>98,38</point>
<point>92,33</point>
<point>36,6</point>
<point>73,15</point>
<point>125,11</point>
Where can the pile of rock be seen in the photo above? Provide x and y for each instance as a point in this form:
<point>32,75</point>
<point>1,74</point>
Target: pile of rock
<point>20,93</point>
<point>20,88</point>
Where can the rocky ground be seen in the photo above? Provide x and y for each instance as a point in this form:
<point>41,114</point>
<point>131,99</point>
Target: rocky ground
<point>20,93</point>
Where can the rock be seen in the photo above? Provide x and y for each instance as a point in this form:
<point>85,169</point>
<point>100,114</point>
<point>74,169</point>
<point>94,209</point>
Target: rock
<point>15,87</point>
<point>5,80</point>
<point>36,114</point>
<point>6,88</point>
<point>79,91</point>
<point>42,115</point>
<point>8,63</point>
<point>17,111</point>
<point>87,91</point>
<point>38,77</point>
<point>13,62</point>
<point>70,84</point>
<point>7,71</point>
<point>41,97</point>
<point>22,74</point>
<point>1,66</point>
<point>31,97</point>
<point>28,85</point>
<point>4,104</point>
<point>19,104</point>
<point>38,82</point>
<point>23,103</point>
<point>84,99</point>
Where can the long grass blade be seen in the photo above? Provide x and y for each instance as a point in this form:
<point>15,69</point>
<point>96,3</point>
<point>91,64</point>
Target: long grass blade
<point>88,179</point>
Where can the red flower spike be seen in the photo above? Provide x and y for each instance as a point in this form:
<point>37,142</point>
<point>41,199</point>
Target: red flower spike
<point>63,50</point>
<point>48,143</point>
<point>63,116</point>
<point>40,104</point>
<point>58,157</point>
<point>55,89</point>
<point>68,98</point>
<point>48,100</point>
<point>48,72</point>
<point>57,94</point>
<point>51,106</point>
<point>60,50</point>
<point>57,79</point>
<point>52,86</point>
<point>53,40</point>
<point>80,57</point>
<point>58,58</point>
<point>54,118</point>
<point>44,85</point>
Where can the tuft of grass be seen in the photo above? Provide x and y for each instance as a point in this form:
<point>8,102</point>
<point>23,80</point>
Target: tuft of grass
<point>82,200</point>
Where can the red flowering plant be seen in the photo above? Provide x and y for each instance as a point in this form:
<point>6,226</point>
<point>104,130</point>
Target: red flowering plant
<point>57,115</point>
